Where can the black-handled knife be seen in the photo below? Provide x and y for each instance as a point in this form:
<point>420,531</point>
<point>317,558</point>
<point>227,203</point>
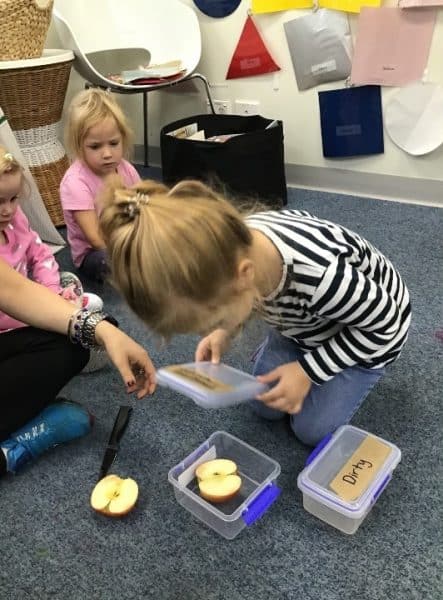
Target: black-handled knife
<point>120,424</point>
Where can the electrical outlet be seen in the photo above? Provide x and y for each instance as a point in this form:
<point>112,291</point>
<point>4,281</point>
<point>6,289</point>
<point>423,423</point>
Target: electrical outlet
<point>222,107</point>
<point>247,107</point>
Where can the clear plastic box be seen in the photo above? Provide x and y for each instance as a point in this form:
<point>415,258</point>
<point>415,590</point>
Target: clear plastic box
<point>258,490</point>
<point>211,385</point>
<point>328,464</point>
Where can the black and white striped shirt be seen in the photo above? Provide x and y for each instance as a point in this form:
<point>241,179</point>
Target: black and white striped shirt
<point>339,298</point>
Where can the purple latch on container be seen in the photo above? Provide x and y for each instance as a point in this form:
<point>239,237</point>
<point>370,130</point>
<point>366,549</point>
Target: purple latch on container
<point>260,504</point>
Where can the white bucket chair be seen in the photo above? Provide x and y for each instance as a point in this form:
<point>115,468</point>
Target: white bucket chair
<point>108,37</point>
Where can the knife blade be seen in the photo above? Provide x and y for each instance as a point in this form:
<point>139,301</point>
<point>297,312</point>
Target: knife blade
<point>120,425</point>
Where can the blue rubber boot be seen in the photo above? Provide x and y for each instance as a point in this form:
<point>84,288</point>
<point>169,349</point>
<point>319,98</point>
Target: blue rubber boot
<point>60,422</point>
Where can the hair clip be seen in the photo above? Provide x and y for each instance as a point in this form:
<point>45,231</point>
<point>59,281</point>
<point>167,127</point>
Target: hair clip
<point>131,209</point>
<point>131,202</point>
<point>141,198</point>
<point>8,156</point>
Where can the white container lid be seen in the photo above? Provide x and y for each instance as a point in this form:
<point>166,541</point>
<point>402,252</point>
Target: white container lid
<point>328,459</point>
<point>211,385</point>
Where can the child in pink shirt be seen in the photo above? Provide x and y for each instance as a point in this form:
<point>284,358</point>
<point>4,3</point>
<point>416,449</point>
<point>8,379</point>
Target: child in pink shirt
<point>22,248</point>
<point>98,136</point>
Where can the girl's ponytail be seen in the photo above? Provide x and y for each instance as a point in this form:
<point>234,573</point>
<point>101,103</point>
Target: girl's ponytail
<point>121,205</point>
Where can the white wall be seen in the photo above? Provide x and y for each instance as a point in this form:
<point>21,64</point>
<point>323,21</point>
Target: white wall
<point>414,178</point>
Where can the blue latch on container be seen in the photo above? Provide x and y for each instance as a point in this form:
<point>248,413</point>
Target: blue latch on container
<point>381,487</point>
<point>260,504</point>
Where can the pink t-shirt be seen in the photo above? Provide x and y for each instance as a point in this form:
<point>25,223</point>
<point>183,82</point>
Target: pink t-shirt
<point>78,190</point>
<point>26,253</point>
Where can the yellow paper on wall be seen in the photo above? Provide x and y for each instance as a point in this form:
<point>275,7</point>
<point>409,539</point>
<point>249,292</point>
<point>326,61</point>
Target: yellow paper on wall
<point>358,472</point>
<point>352,6</point>
<point>267,6</point>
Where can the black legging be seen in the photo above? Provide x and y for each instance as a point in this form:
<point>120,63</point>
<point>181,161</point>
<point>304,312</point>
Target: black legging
<point>34,366</point>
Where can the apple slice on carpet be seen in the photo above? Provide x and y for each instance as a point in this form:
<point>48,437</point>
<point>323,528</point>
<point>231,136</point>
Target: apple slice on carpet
<point>218,480</point>
<point>114,496</point>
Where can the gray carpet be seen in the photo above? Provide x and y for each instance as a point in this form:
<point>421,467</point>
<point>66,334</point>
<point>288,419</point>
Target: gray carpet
<point>53,546</point>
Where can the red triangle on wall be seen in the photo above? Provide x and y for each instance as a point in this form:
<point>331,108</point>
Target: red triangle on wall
<point>251,57</point>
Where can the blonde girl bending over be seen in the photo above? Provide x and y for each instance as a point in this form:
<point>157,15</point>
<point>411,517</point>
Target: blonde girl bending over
<point>187,261</point>
<point>99,138</point>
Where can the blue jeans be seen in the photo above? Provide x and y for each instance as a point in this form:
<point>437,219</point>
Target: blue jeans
<point>326,406</point>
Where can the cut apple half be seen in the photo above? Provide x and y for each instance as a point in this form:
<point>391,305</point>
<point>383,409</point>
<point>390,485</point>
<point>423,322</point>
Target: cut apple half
<point>218,466</point>
<point>218,480</point>
<point>114,496</point>
<point>219,488</point>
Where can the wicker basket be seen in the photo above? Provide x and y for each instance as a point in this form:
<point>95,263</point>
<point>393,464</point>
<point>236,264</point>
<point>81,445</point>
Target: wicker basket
<point>34,96</point>
<point>48,177</point>
<point>32,99</point>
<point>24,26</point>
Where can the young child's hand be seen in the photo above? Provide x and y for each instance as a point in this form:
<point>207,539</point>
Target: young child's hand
<point>213,346</point>
<point>292,388</point>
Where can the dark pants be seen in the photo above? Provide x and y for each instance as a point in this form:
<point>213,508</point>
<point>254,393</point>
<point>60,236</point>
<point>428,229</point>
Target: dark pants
<point>34,366</point>
<point>95,266</point>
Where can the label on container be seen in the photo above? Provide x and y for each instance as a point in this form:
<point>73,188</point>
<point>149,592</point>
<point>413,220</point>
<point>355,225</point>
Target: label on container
<point>200,379</point>
<point>356,475</point>
<point>188,474</point>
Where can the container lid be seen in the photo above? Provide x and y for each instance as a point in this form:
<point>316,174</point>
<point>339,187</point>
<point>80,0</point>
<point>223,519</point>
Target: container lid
<point>211,385</point>
<point>349,470</point>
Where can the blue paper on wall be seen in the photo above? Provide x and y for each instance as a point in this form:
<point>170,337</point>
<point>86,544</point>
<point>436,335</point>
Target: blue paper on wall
<point>351,121</point>
<point>217,8</point>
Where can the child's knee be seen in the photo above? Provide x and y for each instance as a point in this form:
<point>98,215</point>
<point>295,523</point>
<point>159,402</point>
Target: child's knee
<point>95,266</point>
<point>307,432</point>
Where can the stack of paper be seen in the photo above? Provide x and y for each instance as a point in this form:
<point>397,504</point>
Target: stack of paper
<point>150,74</point>
<point>192,132</point>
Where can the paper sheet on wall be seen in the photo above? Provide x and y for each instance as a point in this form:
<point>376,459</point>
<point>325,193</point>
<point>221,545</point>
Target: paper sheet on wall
<point>351,121</point>
<point>32,203</point>
<point>251,57</point>
<point>419,3</point>
<point>267,6</point>
<point>392,45</point>
<point>320,45</point>
<point>414,118</point>
<point>353,6</point>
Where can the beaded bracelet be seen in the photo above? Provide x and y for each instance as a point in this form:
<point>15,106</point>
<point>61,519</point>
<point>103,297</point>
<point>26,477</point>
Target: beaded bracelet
<point>74,326</point>
<point>82,325</point>
<point>90,322</point>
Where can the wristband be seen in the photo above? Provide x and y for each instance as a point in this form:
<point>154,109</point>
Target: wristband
<point>82,325</point>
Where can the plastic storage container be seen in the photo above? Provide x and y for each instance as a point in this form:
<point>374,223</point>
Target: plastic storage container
<point>344,476</point>
<point>210,385</point>
<point>258,490</point>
